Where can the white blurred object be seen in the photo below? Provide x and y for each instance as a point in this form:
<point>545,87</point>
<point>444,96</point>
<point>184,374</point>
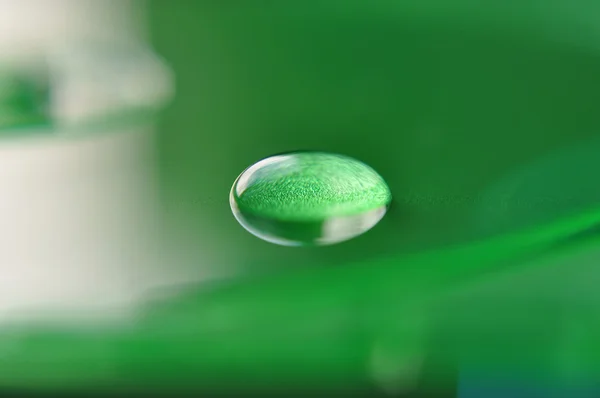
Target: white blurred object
<point>94,51</point>
<point>106,80</point>
<point>78,204</point>
<point>51,25</point>
<point>77,220</point>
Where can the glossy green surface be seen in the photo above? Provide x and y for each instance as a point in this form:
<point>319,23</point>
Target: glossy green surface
<point>461,108</point>
<point>442,108</point>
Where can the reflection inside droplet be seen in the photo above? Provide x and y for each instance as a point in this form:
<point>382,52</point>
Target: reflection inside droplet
<point>309,198</point>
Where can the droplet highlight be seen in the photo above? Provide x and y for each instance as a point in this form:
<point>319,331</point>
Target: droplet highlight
<point>309,198</point>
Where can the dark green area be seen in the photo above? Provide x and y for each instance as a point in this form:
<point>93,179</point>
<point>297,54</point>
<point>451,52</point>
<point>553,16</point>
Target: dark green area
<point>461,107</point>
<point>442,99</point>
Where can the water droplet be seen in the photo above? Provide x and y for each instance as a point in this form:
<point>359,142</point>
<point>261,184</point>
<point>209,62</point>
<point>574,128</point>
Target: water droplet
<point>309,198</point>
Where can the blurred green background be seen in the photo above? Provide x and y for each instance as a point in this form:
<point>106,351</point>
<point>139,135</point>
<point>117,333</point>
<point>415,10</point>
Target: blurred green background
<point>444,99</point>
<point>483,119</point>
